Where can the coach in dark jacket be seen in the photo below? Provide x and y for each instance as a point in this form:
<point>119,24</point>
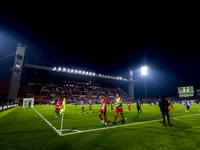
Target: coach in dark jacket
<point>163,104</point>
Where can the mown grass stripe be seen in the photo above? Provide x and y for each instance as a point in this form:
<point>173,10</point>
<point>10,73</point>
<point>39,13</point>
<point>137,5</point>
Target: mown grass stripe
<point>5,112</point>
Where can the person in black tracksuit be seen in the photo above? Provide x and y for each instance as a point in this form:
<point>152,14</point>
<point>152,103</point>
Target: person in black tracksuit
<point>163,104</point>
<point>138,106</point>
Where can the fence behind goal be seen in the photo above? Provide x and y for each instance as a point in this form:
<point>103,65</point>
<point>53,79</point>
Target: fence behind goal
<point>28,102</point>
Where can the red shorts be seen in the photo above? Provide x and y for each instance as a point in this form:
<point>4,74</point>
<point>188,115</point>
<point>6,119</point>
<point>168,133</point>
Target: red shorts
<point>119,110</point>
<point>90,107</point>
<point>82,107</point>
<point>129,105</point>
<point>101,111</point>
<point>57,109</point>
<point>112,106</point>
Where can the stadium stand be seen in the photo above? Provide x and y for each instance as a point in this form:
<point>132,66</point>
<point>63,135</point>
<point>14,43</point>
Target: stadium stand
<point>49,91</point>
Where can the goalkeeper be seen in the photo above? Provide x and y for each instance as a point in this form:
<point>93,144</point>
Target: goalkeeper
<point>58,104</point>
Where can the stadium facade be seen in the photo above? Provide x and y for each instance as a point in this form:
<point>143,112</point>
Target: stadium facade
<point>46,83</point>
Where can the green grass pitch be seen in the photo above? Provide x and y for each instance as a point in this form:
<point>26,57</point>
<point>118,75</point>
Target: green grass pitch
<point>25,129</point>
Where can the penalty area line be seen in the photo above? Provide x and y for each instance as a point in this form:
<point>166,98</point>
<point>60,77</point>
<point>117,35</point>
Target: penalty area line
<point>47,122</point>
<point>125,125</point>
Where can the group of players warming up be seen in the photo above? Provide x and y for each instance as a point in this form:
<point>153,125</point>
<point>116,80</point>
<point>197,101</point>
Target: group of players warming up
<point>103,110</point>
<point>164,104</point>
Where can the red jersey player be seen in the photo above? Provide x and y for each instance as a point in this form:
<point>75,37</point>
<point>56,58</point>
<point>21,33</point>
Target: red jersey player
<point>169,107</point>
<point>129,105</point>
<point>90,105</point>
<point>58,104</point>
<point>103,110</point>
<point>119,109</point>
<point>111,103</point>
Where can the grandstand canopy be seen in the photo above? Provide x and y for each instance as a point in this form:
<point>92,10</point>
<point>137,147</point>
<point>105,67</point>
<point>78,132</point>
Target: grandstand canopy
<point>49,73</point>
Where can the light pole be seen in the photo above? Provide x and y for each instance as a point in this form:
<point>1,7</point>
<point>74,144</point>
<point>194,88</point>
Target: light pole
<point>144,73</point>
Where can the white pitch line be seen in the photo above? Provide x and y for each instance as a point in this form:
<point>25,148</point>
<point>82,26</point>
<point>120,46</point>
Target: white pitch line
<point>126,125</point>
<point>47,122</point>
<point>70,130</point>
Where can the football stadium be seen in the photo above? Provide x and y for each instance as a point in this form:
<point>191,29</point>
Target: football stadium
<point>30,121</point>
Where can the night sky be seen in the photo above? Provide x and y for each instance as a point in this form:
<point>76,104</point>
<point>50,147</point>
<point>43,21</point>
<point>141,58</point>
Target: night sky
<point>108,44</point>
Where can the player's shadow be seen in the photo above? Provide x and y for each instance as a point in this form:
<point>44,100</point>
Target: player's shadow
<point>119,121</point>
<point>108,122</point>
<point>136,118</point>
<point>177,125</point>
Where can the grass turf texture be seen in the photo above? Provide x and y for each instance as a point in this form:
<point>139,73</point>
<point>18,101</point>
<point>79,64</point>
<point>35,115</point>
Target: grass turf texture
<point>25,129</point>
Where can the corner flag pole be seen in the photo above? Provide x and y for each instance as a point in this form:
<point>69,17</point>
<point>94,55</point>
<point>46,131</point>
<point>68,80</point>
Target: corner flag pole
<point>62,112</point>
<point>61,123</point>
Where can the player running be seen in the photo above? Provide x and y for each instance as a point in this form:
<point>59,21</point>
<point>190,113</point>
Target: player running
<point>118,109</point>
<point>90,106</point>
<point>82,107</point>
<point>103,111</point>
<point>111,106</point>
<point>129,106</point>
<point>58,104</point>
<point>188,104</point>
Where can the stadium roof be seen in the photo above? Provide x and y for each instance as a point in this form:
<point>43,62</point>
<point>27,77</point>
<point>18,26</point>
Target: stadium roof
<point>36,71</point>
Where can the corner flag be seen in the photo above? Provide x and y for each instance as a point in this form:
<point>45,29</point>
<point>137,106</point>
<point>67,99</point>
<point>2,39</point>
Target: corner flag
<point>63,107</point>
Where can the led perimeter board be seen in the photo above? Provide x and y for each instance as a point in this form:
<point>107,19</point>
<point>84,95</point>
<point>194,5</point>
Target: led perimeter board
<point>186,91</point>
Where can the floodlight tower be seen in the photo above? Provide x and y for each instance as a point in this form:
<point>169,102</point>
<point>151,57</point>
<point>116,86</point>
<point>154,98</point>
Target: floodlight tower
<point>131,85</point>
<point>144,73</point>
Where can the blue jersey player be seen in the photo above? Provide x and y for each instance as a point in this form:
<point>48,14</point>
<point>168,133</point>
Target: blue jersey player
<point>188,104</point>
<point>90,106</point>
<point>82,107</point>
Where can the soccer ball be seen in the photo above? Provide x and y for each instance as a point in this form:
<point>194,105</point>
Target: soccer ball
<point>185,110</point>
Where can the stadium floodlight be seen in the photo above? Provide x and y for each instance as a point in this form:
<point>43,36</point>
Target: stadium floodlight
<point>76,71</point>
<point>64,69</point>
<point>72,70</point>
<point>120,77</point>
<point>86,73</point>
<point>83,72</point>
<point>90,73</point>
<point>144,70</point>
<point>144,73</point>
<point>68,70</point>
<point>79,71</point>
<point>54,68</point>
<point>59,68</point>
<point>93,74</point>
<point>99,74</point>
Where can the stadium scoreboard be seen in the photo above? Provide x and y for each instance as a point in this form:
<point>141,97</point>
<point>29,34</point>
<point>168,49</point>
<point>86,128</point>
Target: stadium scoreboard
<point>186,91</point>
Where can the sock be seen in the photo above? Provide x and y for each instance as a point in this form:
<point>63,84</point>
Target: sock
<point>115,118</point>
<point>123,118</point>
<point>105,118</point>
<point>101,117</point>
